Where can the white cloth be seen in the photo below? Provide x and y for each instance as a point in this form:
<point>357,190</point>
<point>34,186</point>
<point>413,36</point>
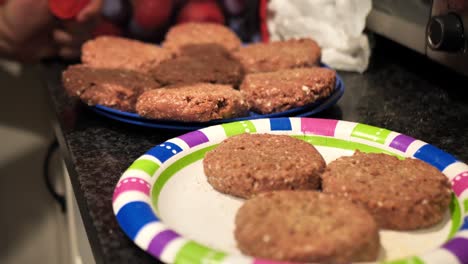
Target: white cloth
<point>337,26</point>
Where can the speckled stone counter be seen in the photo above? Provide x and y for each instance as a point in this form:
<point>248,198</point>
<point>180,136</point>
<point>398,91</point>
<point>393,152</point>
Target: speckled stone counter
<point>401,91</point>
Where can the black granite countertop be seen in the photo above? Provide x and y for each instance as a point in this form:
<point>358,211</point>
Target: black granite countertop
<point>401,91</point>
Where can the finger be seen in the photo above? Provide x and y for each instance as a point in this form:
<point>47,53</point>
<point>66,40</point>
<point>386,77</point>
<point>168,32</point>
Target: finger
<point>46,52</point>
<point>90,11</point>
<point>73,37</point>
<point>37,47</point>
<point>62,38</point>
<point>69,53</point>
<point>39,52</point>
<point>19,25</point>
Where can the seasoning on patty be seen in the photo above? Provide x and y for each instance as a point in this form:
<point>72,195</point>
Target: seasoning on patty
<point>282,90</point>
<point>279,55</point>
<point>306,226</point>
<point>198,102</point>
<point>248,164</point>
<point>400,194</point>
<point>200,33</point>
<point>122,53</point>
<point>116,88</point>
<point>200,63</point>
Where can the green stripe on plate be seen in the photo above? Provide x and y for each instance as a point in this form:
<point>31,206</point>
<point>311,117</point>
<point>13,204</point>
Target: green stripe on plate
<point>237,128</point>
<point>410,260</point>
<point>173,169</point>
<point>371,133</point>
<point>193,252</point>
<point>455,213</point>
<point>465,205</point>
<point>344,144</point>
<point>145,165</point>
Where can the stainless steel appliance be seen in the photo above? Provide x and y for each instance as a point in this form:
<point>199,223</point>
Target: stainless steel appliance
<point>437,29</point>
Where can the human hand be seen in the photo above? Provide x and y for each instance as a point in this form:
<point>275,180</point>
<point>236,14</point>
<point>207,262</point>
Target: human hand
<point>28,36</point>
<point>73,33</point>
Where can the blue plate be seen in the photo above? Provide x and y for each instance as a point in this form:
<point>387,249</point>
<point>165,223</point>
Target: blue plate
<point>307,110</point>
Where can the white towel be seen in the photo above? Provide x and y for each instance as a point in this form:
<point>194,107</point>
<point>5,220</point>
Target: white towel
<point>337,25</point>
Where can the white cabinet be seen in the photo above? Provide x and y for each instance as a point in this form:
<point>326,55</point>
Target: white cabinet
<point>79,247</point>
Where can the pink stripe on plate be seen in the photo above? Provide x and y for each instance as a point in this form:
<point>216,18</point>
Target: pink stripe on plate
<point>324,127</point>
<point>460,183</point>
<point>131,184</point>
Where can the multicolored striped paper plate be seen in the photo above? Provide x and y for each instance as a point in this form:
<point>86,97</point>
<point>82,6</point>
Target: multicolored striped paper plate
<point>165,205</point>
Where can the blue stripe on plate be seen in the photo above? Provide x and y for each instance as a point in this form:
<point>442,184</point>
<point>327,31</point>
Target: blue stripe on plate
<point>280,124</point>
<point>164,151</point>
<point>434,156</point>
<point>133,216</point>
<point>464,225</point>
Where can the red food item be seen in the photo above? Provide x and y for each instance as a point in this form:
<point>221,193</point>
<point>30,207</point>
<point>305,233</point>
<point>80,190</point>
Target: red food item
<point>106,28</point>
<point>201,11</point>
<point>66,9</point>
<point>152,14</point>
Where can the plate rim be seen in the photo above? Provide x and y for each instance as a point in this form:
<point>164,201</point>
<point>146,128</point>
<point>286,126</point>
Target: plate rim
<point>133,181</point>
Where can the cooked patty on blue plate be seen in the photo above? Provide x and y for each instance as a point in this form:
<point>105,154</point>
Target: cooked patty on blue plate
<point>122,53</point>
<point>271,92</point>
<point>115,88</point>
<point>199,102</point>
<point>279,55</point>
